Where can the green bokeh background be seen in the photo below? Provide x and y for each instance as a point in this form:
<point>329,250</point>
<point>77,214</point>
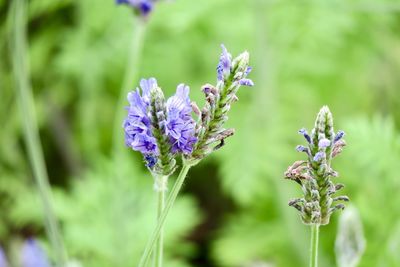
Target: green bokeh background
<point>233,211</point>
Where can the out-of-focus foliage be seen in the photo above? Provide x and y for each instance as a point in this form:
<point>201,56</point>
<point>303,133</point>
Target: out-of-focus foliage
<point>305,54</point>
<point>107,217</point>
<point>350,241</point>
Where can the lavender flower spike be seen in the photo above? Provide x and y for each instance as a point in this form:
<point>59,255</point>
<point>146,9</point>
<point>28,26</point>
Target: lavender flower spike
<point>143,7</point>
<point>210,133</point>
<point>314,175</point>
<point>159,129</point>
<point>32,255</point>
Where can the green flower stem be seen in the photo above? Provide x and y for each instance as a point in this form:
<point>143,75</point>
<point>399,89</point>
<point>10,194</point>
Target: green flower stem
<point>130,77</point>
<point>170,202</point>
<point>160,207</point>
<point>314,245</point>
<point>31,132</point>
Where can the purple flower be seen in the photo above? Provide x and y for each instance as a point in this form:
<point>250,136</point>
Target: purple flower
<point>180,126</point>
<point>3,259</point>
<point>144,7</point>
<point>304,132</point>
<point>224,65</point>
<point>301,148</point>
<point>338,136</point>
<point>319,156</point>
<point>324,143</point>
<point>246,82</point>
<point>32,255</point>
<point>137,125</point>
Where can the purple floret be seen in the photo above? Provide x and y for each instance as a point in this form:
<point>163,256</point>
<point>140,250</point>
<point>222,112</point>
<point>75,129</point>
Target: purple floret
<point>137,125</point>
<point>180,126</point>
<point>224,68</point>
<point>224,65</point>
<point>324,143</point>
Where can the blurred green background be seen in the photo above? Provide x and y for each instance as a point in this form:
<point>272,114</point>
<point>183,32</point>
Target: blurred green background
<point>233,211</point>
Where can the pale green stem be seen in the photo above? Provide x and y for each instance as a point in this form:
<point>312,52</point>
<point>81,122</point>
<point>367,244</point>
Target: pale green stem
<point>161,187</point>
<point>170,202</point>
<point>314,245</point>
<point>31,132</point>
<point>129,82</point>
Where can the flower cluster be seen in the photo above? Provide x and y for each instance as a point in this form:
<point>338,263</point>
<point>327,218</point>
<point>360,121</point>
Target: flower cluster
<point>157,128</point>
<point>231,74</point>
<point>143,7</point>
<point>31,255</point>
<point>314,174</point>
<point>161,129</point>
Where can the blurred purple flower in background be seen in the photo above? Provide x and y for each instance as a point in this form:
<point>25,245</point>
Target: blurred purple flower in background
<point>32,255</point>
<point>144,7</point>
<point>3,260</point>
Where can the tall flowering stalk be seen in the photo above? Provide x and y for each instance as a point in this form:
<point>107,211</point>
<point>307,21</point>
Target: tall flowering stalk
<point>315,174</point>
<point>160,130</point>
<point>31,131</point>
<point>192,140</point>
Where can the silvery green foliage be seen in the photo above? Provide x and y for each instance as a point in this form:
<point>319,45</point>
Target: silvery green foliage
<point>350,241</point>
<point>210,133</point>
<point>314,174</point>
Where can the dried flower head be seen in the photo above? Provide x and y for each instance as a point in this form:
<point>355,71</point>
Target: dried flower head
<point>314,175</point>
<point>231,74</point>
<point>157,128</point>
<point>142,7</point>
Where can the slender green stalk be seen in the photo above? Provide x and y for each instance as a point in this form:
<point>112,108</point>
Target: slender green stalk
<point>314,245</point>
<point>170,202</point>
<point>130,77</point>
<point>160,207</point>
<point>31,133</point>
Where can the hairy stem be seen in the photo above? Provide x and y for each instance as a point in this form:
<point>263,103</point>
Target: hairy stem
<point>161,220</point>
<point>162,186</point>
<point>314,245</point>
<point>130,77</point>
<point>31,132</point>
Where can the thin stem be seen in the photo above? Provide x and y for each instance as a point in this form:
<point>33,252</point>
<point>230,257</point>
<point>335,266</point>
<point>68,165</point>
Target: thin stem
<point>162,186</point>
<point>130,77</point>
<point>31,132</point>
<point>314,245</point>
<point>170,202</point>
